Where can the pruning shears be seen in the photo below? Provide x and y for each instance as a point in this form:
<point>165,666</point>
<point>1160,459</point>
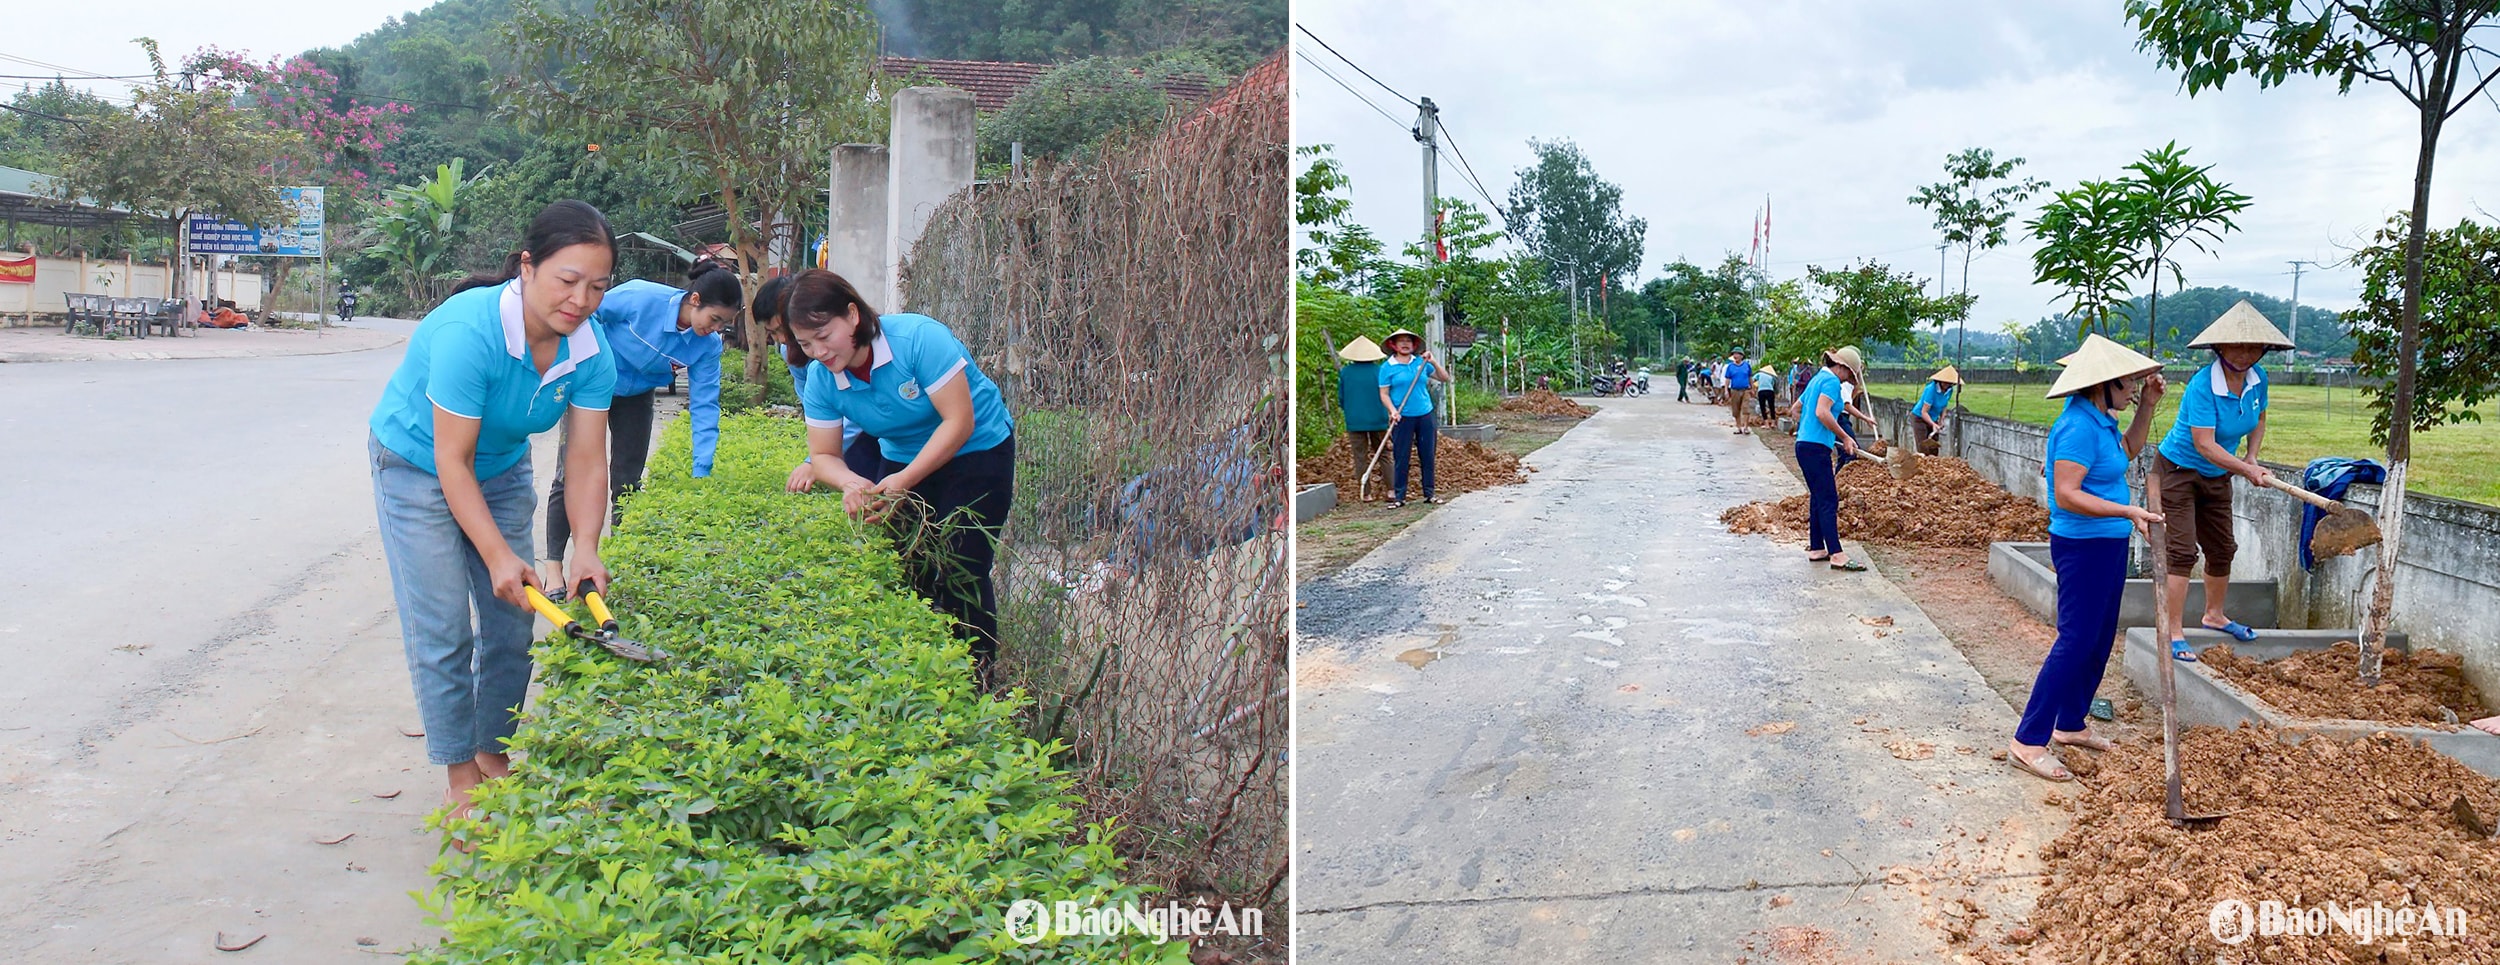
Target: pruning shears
<point>605,636</point>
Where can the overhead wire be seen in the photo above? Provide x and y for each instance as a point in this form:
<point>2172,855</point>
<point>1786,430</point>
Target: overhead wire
<point>1349,88</point>
<point>1393,92</point>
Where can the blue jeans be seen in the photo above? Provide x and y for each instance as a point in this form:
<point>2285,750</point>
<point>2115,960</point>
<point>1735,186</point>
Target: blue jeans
<point>2091,576</point>
<point>1814,461</point>
<point>1419,430</point>
<point>468,652</point>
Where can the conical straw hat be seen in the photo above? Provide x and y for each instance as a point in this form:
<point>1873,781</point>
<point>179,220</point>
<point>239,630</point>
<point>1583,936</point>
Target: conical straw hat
<point>1847,355</point>
<point>1947,374</point>
<point>1362,349</point>
<point>1393,336</point>
<point>2242,325</point>
<point>2100,360</point>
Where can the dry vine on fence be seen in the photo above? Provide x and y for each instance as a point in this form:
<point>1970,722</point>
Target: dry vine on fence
<point>1133,312</point>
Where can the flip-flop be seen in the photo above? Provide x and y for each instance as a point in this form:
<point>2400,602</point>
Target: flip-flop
<point>2090,742</point>
<point>2055,770</point>
<point>2179,651</point>
<point>2238,631</point>
<point>1851,566</point>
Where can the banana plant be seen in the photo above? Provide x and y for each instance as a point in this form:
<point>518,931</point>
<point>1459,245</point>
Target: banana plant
<point>418,226</point>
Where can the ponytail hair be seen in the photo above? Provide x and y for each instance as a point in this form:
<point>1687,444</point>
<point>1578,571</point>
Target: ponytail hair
<point>716,283</point>
<point>558,226</point>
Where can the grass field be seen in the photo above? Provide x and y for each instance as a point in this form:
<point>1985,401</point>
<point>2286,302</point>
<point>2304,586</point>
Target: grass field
<point>2306,422</point>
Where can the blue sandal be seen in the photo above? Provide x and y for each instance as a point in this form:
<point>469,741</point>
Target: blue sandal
<point>2238,631</point>
<point>2179,651</point>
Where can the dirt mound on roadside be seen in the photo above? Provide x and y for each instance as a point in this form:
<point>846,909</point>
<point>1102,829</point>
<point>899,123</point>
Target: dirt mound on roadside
<point>2352,822</point>
<point>2325,683</point>
<point>1545,402</point>
<point>1949,504</point>
<point>1457,468</point>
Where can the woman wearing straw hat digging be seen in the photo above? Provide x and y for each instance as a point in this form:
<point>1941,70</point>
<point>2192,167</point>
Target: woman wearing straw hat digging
<point>1402,389</point>
<point>1819,432</point>
<point>2091,516</point>
<point>1927,417</point>
<point>2224,404</point>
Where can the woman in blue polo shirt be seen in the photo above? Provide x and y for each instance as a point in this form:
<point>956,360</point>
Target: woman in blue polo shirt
<point>2090,518</point>
<point>859,449</point>
<point>1409,401</point>
<point>944,430</point>
<point>2223,405</point>
<point>501,360</point>
<point>1927,417</point>
<point>1819,431</point>
<point>654,330</point>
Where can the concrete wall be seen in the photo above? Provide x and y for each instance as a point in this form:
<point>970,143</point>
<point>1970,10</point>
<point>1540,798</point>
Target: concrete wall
<point>2044,375</point>
<point>55,277</point>
<point>932,158</point>
<point>2447,584</point>
<point>857,216</point>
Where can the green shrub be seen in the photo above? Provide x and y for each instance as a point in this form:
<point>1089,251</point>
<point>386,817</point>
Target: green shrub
<point>811,777</point>
<point>738,395</point>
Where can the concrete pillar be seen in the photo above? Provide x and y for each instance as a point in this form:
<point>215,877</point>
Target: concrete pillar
<point>856,224</point>
<point>932,159</point>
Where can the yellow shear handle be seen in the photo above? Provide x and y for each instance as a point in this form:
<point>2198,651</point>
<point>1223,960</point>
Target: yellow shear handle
<point>598,607</point>
<point>548,608</point>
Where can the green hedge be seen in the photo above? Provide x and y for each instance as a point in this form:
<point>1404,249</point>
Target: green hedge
<point>811,778</point>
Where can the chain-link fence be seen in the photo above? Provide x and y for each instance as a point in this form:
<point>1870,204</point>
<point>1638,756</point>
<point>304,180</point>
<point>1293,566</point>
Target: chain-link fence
<point>1134,312</point>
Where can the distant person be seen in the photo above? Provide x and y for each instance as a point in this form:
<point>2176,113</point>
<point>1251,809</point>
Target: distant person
<point>1766,393</point>
<point>1739,388</point>
<point>1409,403</point>
<point>1818,437</point>
<point>1358,395</point>
<point>2091,517</point>
<point>1927,417</point>
<point>2223,405</point>
<point>1683,374</point>
<point>653,329</point>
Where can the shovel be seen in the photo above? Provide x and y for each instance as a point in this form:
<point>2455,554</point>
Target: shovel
<point>2344,529</point>
<point>1902,460</point>
<point>2174,797</point>
<point>605,636</point>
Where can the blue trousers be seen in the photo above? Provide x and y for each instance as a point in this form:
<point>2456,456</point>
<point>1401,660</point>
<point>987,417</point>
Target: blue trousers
<point>2091,576</point>
<point>468,652</point>
<point>1814,459</point>
<point>1420,431</point>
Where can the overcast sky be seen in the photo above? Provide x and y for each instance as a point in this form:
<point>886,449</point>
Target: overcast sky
<point>1840,111</point>
<point>95,38</point>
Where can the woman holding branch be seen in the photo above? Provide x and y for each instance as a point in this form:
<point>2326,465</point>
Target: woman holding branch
<point>1402,389</point>
<point>2091,516</point>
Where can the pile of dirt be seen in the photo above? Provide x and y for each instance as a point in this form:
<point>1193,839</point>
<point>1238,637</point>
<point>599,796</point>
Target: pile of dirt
<point>1949,504</point>
<point>2413,688</point>
<point>2351,822</point>
<point>1457,468</point>
<point>1545,402</point>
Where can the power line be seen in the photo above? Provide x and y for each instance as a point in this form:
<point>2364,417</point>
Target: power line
<point>48,117</point>
<point>1470,171</point>
<point>1358,95</point>
<point>1393,92</point>
<point>58,76</point>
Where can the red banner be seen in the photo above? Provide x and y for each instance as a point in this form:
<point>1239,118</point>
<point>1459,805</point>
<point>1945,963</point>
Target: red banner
<point>17,269</point>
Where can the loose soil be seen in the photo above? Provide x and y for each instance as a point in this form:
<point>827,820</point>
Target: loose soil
<point>2413,687</point>
<point>1545,402</point>
<point>2361,821</point>
<point>1949,504</point>
<point>1461,468</point>
<point>1344,534</point>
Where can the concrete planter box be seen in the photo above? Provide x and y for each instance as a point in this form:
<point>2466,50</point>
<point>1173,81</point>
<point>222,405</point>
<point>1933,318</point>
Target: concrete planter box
<point>1310,501</point>
<point>2022,571</point>
<point>2205,698</point>
<point>1482,432</point>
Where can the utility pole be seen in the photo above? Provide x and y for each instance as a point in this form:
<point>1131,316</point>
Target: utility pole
<point>1940,247</point>
<point>2297,267</point>
<point>1427,133</point>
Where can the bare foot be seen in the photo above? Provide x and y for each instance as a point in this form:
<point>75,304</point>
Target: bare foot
<point>2081,738</point>
<point>493,766</point>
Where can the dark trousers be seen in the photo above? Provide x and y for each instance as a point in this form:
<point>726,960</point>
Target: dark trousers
<point>1814,460</point>
<point>950,543</point>
<point>1768,400</point>
<point>1420,431</point>
<point>629,446</point>
<point>2091,576</point>
<point>1683,389</point>
<point>1367,442</point>
<point>1851,433</point>
<point>863,457</point>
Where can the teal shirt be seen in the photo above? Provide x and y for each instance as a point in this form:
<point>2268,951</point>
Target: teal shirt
<point>2088,437</point>
<point>1358,393</point>
<point>470,355</point>
<point>1400,381</point>
<point>2208,403</point>
<point>913,356</point>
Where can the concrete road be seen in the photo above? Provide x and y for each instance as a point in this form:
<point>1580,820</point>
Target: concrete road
<point>1577,720</point>
<point>200,669</point>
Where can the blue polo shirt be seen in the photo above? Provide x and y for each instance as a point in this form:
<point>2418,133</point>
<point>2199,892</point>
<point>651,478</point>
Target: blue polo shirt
<point>2208,403</point>
<point>641,322</point>
<point>471,357</point>
<point>1933,400</point>
<point>1740,375</point>
<point>2085,435</point>
<point>1398,378</point>
<point>1825,385</point>
<point>913,356</point>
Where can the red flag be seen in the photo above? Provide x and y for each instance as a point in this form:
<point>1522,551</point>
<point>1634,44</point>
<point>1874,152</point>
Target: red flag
<point>1440,248</point>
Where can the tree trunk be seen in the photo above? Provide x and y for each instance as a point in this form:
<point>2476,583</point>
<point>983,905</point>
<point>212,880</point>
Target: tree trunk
<point>743,247</point>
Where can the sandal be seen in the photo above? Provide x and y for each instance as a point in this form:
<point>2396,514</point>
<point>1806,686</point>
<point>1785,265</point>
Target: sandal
<point>2179,651</point>
<point>2238,631</point>
<point>1851,566</point>
<point>1397,504</point>
<point>1817,559</point>
<point>2046,766</point>
<point>1431,501</point>
<point>2088,741</point>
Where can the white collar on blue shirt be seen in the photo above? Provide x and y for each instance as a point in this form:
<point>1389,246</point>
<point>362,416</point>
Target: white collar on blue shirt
<point>584,342</point>
<point>2222,384</point>
<point>879,353</point>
